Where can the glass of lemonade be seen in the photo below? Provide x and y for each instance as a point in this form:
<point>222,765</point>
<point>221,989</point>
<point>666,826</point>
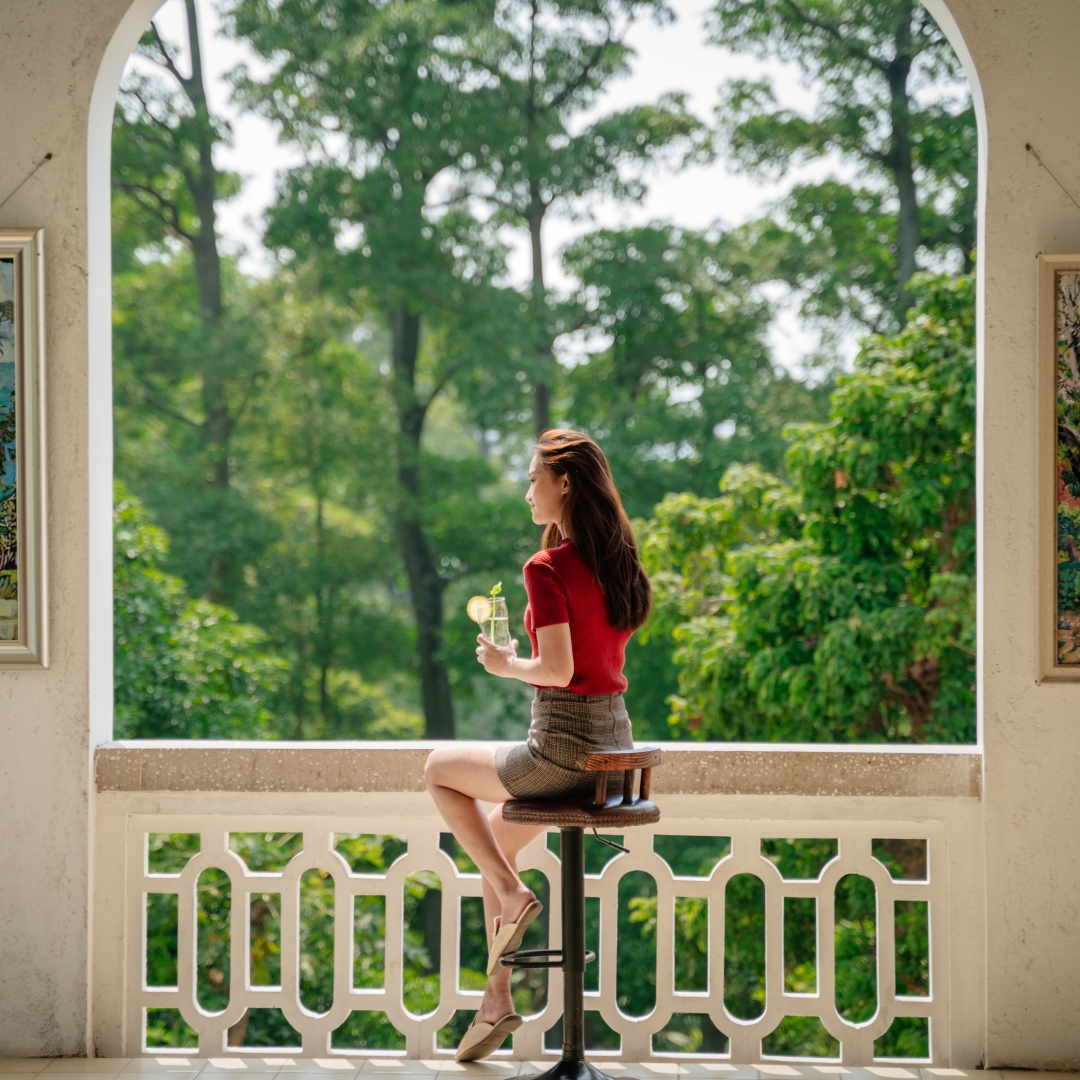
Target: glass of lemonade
<point>490,614</point>
<point>498,626</point>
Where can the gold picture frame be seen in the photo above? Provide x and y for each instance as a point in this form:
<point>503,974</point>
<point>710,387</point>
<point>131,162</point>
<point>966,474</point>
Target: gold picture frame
<point>23,594</point>
<point>1058,533</point>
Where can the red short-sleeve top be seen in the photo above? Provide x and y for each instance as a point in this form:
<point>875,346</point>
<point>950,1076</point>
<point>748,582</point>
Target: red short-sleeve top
<point>562,589</point>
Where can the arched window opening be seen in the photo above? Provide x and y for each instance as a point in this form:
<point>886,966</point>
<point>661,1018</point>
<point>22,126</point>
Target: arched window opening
<point>362,254</point>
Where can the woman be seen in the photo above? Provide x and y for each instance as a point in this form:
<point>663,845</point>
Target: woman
<point>587,594</point>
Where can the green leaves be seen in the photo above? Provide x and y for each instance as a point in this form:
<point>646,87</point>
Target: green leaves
<point>184,667</point>
<point>687,386</point>
<point>852,244</point>
<point>838,606</point>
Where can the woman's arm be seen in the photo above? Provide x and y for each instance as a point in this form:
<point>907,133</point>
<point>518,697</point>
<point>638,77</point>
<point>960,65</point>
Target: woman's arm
<point>553,667</point>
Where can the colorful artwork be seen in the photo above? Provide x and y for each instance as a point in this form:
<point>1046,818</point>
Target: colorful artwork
<point>9,552</point>
<point>1068,468</point>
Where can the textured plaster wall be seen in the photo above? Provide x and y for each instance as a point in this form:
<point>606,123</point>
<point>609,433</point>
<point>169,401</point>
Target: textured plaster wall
<point>1024,53</point>
<point>52,52</point>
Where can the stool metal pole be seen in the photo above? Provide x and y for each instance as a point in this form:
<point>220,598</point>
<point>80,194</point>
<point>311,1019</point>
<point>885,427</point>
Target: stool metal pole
<point>573,930</point>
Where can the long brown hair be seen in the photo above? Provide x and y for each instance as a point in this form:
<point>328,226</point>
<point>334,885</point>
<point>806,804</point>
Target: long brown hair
<point>597,523</point>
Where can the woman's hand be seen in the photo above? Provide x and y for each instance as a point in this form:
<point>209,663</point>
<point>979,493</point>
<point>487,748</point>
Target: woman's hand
<point>496,659</point>
<point>553,667</point>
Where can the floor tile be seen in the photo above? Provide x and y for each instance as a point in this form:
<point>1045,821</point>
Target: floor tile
<point>779,1070</point>
<point>96,1066</point>
<point>82,1074</point>
<point>58,1074</point>
<point>251,1070</point>
<point>344,1067</point>
<point>720,1070</point>
<point>928,1073</point>
<point>398,1066</point>
<point>151,1069</point>
<point>23,1065</point>
<point>490,1067</point>
<point>163,1065</point>
<point>893,1072</point>
<point>343,1070</point>
<point>314,1073</point>
<point>252,1067</point>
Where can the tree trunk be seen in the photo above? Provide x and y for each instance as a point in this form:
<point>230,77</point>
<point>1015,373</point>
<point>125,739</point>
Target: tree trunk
<point>431,927</point>
<point>218,422</point>
<point>323,616</point>
<point>542,380</point>
<point>908,233</point>
<point>425,585</point>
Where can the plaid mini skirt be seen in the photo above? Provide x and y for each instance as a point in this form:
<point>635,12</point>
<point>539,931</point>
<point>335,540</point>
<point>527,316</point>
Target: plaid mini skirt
<point>565,728</point>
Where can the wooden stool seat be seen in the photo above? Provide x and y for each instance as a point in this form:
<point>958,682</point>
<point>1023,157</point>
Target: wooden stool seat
<point>582,812</point>
<point>572,816</point>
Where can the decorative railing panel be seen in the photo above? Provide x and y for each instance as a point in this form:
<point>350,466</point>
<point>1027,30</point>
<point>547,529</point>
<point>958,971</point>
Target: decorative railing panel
<point>828,982</point>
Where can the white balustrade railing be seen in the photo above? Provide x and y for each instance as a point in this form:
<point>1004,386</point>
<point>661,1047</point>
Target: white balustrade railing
<point>939,811</point>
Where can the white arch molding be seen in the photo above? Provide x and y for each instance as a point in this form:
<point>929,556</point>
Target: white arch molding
<point>99,363</point>
<point>944,18</point>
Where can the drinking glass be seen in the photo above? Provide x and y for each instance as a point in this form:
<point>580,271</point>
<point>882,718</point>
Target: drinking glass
<point>498,626</point>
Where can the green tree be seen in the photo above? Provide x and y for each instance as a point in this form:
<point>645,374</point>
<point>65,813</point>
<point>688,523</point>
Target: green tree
<point>322,587</point>
<point>384,102</point>
<point>161,351</point>
<point>892,101</point>
<point>166,189</point>
<point>547,66</point>
<point>183,667</point>
<point>687,385</point>
<point>839,605</point>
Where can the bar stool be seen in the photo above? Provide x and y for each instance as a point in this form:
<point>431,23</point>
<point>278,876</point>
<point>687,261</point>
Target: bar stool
<point>622,810</point>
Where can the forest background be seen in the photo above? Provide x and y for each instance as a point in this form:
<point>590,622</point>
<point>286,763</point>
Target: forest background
<point>318,464</point>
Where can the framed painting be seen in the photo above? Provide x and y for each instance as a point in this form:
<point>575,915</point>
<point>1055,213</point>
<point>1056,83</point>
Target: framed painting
<point>23,611</point>
<point>1059,467</point>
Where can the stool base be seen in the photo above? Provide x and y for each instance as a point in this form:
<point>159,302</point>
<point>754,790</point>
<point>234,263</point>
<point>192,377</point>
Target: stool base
<point>572,1070</point>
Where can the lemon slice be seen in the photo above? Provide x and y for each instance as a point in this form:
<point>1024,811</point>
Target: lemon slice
<point>479,609</point>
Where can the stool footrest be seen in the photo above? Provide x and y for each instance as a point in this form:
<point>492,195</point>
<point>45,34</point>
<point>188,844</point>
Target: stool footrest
<point>530,958</point>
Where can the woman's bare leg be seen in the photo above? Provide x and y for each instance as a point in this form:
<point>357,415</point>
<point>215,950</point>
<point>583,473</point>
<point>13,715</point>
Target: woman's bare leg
<point>459,778</point>
<point>511,839</point>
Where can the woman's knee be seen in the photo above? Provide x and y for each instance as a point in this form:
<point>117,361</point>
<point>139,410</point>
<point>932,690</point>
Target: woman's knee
<point>432,768</point>
<point>440,765</point>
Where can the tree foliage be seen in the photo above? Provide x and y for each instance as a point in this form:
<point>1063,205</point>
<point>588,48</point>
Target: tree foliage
<point>838,605</point>
<point>335,451</point>
<point>182,667</point>
<point>891,101</point>
<point>687,385</point>
<point>166,187</point>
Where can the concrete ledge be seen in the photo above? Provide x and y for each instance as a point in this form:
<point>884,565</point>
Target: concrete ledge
<point>688,769</point>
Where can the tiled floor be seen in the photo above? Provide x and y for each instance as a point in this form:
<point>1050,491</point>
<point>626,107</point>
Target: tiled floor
<point>285,1068</point>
